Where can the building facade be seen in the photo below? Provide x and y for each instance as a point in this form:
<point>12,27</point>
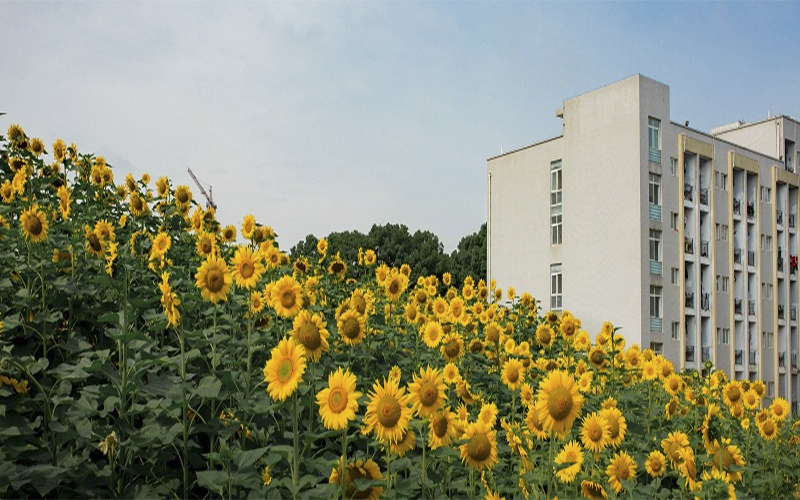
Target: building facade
<point>687,240</point>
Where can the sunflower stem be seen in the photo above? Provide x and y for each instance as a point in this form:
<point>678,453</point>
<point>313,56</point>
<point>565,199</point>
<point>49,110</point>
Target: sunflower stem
<point>296,464</point>
<point>344,462</point>
<point>550,468</point>
<point>185,417</point>
<point>424,465</point>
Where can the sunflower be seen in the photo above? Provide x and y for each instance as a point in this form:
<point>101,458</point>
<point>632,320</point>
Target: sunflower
<point>727,458</point>
<point>338,403</point>
<point>688,468</point>
<point>513,373</point>
<point>406,443</point>
<point>545,335</point>
<point>559,402</point>
<point>388,413</point>
<point>672,446</point>
<point>450,373</point>
<point>673,384</point>
<point>337,268</point>
<point>779,409</point>
<point>137,206</point>
<point>457,311</point>
<point>256,303</point>
<point>732,393</point>
<point>246,267</point>
<point>284,370</point>
<point>161,243</point>
<point>285,297</point>
<point>322,246</point>
<point>6,192</point>
<point>592,490</point>
<point>751,399</point>
<point>427,392</point>
<point>569,326</point>
<point>480,449</point>
<point>170,301</point>
<point>712,427</point>
<point>432,334</point>
<point>441,428</point>
<point>363,301</point>
<point>570,460</point>
<point>621,468</point>
<point>59,150</point>
<point>352,472</point>
<point>617,425</point>
<point>655,463</point>
<point>33,222</point>
<point>488,414</point>
<point>93,243</point>
<point>595,432</point>
<point>37,146</point>
<point>309,331</point>
<point>671,408</point>
<point>395,286</point>
<point>183,195</point>
<point>213,279</point>
<point>768,429</point>
<point>491,332</point>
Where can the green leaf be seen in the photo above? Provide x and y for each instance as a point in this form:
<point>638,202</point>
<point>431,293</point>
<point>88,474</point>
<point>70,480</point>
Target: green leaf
<point>248,458</point>
<point>43,477</point>
<point>214,480</point>
<point>208,387</point>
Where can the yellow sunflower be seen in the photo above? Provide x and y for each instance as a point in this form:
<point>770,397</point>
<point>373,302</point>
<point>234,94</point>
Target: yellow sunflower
<point>621,468</point>
<point>592,490</point>
<point>480,449</point>
<point>256,303</point>
<point>248,226</point>
<point>432,334</point>
<point>309,331</point>
<point>351,327</point>
<point>545,335</point>
<point>513,373</point>
<point>751,399</point>
<point>65,202</point>
<point>595,432</point>
<point>322,246</point>
<point>246,267</point>
<point>59,150</point>
<point>488,414</point>
<point>6,192</point>
<point>655,463</point>
<point>206,244</point>
<point>559,402</point>
<point>286,297</point>
<point>37,146</point>
<point>457,311</point>
<point>569,461</point>
<point>441,429</point>
<point>427,392</point>
<point>183,195</point>
<point>672,446</point>
<point>284,370</point>
<point>33,222</point>
<point>136,204</point>
<point>450,373</point>
<point>388,413</point>
<point>396,285</point>
<point>406,443</point>
<point>338,403</point>
<point>727,458</point>
<point>688,468</point>
<point>452,347</point>
<point>161,243</point>
<point>732,393</point>
<point>768,429</point>
<point>617,425</point>
<point>779,409</point>
<point>337,268</point>
<point>170,301</point>
<point>213,279</point>
<point>673,384</point>
<point>93,243</point>
<point>352,472</point>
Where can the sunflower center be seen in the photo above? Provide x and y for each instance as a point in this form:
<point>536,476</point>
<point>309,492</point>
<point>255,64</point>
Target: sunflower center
<point>452,349</point>
<point>389,411</point>
<point>492,335</point>
<point>769,428</point>
<point>734,394</point>
<point>422,297</point>
<point>593,490</point>
<point>656,465</point>
<point>337,267</point>
<point>394,287</point>
<point>288,299</point>
<point>513,374</point>
<point>94,242</point>
<point>34,225</point>
<point>723,459</point>
<point>136,203</point>
<point>479,448</point>
<point>544,336</point>
<point>595,433</point>
<point>309,336</point>
<point>182,196</point>
<point>337,400</point>
<point>559,403</point>
<point>246,270</point>
<point>439,425</point>
<point>673,384</point>
<point>351,328</point>
<point>359,304</point>
<point>613,427</point>
<point>206,247</point>
<point>597,357</point>
<point>214,280</point>
<point>428,394</point>
<point>285,370</point>
<point>623,472</point>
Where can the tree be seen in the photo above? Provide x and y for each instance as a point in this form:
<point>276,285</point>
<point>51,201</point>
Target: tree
<point>469,258</point>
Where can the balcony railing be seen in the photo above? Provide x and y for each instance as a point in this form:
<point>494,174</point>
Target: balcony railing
<point>751,258</point>
<point>689,245</point>
<point>781,311</point>
<point>737,206</point>
<point>737,255</point>
<point>738,357</point>
<point>779,217</point>
<point>751,307</point>
<point>703,248</point>
<point>705,354</point>
<point>704,196</point>
<point>654,155</point>
<point>737,306</point>
<point>792,220</point>
<point>782,360</point>
<point>705,302</point>
<point>689,300</point>
<point>689,353</point>
<point>688,192</point>
<point>751,209</point>
<point>780,263</point>
<point>753,359</point>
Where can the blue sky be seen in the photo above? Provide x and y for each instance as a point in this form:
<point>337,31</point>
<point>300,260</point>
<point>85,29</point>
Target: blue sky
<point>320,117</point>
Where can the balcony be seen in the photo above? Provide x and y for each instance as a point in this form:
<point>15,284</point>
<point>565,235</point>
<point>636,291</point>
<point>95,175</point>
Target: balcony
<point>688,192</point>
<point>792,264</point>
<point>781,311</point>
<point>654,155</point>
<point>703,248</point>
<point>753,359</point>
<point>788,164</point>
<point>689,302</point>
<point>690,354</point>
<point>704,197</point>
<point>780,263</point>
<point>793,313</point>
<point>705,354</point>
<point>794,360</point>
<point>705,302</point>
<point>782,359</point>
<point>751,307</point>
<point>688,245</point>
<point>792,220</point>
<point>737,306</point>
<point>751,210</point>
<point>779,217</point>
<point>738,357</point>
<point>751,258</point>
<point>737,255</point>
<point>737,206</point>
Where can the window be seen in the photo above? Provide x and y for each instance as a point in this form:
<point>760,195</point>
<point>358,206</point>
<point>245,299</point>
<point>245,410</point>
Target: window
<point>721,231</point>
<point>676,276</point>
<point>770,389</point>
<point>721,181</point>
<point>676,330</point>
<point>766,291</point>
<point>654,133</point>
<point>556,289</point>
<point>655,245</point>
<point>766,194</point>
<point>766,243</point>
<point>654,193</point>
<point>723,284</point>
<point>655,301</point>
<point>723,336</point>
<point>673,166</point>
<point>657,347</point>
<point>555,203</point>
<point>767,340</point>
<point>673,221</point>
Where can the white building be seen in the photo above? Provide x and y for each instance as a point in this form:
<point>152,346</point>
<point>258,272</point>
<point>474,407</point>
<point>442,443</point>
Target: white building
<point>687,240</point>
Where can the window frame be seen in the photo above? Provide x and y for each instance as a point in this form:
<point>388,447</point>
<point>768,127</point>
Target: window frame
<point>556,287</point>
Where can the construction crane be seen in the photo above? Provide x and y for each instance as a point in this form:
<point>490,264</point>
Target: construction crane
<point>208,196</point>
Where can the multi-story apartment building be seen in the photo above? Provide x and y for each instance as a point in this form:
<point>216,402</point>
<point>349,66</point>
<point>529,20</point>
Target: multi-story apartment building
<point>687,240</point>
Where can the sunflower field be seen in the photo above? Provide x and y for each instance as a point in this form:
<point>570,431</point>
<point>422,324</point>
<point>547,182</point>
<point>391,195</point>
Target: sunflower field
<point>147,350</point>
